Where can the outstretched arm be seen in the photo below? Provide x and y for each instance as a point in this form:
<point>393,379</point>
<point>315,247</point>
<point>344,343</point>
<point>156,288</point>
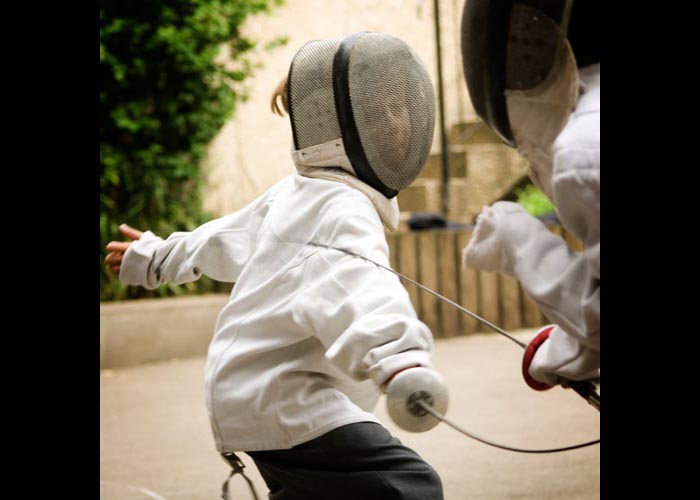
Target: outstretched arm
<point>509,240</point>
<point>219,249</point>
<point>561,281</point>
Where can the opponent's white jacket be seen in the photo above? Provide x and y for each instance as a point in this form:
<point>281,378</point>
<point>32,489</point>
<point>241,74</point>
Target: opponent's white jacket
<point>564,284</point>
<point>309,333</point>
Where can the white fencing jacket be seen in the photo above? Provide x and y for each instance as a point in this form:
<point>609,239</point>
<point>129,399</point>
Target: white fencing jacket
<point>309,333</point>
<point>564,284</point>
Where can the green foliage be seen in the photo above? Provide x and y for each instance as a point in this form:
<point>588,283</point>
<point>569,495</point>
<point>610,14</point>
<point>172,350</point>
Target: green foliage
<point>164,94</point>
<point>534,200</point>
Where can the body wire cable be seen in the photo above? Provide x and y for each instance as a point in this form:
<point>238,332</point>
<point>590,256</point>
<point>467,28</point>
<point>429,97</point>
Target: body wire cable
<point>584,389</point>
<point>423,404</point>
<point>430,291</point>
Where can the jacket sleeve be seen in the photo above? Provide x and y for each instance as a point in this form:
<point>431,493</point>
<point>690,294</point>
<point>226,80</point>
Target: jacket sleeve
<point>218,249</point>
<point>573,349</point>
<point>509,240</point>
<point>359,312</point>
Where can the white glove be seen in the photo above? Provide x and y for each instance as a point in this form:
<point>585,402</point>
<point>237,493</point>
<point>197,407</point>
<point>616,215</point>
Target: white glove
<point>501,229</point>
<point>560,357</point>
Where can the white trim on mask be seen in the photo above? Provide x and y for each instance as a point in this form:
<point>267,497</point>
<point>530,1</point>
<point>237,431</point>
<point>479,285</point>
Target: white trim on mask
<point>328,161</point>
<point>538,115</point>
<point>328,154</point>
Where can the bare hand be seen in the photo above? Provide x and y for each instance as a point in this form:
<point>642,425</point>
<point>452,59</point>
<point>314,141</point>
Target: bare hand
<point>117,249</point>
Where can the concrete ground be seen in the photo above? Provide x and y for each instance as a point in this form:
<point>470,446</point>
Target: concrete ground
<point>155,441</point>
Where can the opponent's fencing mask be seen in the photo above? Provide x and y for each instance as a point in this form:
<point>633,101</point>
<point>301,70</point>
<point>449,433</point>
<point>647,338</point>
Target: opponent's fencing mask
<point>364,103</point>
<point>521,71</point>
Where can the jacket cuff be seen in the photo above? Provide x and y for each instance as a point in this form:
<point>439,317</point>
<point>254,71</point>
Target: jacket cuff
<point>381,371</point>
<point>136,264</point>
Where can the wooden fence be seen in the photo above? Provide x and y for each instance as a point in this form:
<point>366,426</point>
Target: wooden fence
<point>434,258</point>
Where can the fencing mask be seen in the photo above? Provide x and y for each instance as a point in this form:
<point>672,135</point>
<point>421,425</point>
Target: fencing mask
<point>521,71</point>
<point>364,103</point>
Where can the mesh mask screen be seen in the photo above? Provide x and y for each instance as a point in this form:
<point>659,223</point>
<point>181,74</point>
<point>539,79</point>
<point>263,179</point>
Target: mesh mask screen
<point>535,42</point>
<point>393,104</point>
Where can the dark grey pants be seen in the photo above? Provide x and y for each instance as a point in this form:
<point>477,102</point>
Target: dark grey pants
<point>359,461</point>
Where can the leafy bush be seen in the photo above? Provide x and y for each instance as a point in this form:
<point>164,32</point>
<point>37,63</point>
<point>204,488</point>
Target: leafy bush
<point>164,94</point>
<point>534,200</point>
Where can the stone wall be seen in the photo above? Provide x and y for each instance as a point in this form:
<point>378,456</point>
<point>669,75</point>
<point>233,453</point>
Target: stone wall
<point>481,169</point>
